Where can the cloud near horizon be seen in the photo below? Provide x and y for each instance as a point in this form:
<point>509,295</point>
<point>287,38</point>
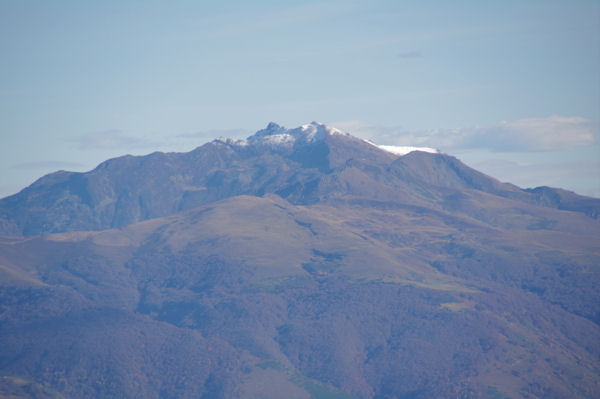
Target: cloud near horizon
<point>522,135</point>
<point>582,173</point>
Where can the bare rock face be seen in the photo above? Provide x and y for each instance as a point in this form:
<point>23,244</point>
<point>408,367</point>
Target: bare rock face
<point>301,263</point>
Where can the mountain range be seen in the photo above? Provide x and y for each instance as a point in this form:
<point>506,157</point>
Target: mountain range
<point>298,263</point>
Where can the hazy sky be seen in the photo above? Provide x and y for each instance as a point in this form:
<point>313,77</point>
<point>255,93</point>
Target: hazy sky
<point>510,87</point>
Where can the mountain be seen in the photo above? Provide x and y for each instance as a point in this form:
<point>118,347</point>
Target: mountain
<point>310,164</point>
<point>299,263</point>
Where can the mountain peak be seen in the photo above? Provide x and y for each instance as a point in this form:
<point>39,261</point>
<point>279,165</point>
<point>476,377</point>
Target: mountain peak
<point>277,135</point>
<point>271,129</point>
<point>321,129</point>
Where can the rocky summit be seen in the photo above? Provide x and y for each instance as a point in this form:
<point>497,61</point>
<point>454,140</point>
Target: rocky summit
<point>298,263</point>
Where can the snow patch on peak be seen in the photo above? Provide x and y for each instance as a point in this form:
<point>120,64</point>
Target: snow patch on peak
<point>314,128</point>
<point>230,141</point>
<point>276,135</point>
<point>310,132</point>
<point>403,150</point>
<point>279,139</point>
<point>271,129</point>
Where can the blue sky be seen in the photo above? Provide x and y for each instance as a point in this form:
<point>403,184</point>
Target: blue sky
<point>511,88</point>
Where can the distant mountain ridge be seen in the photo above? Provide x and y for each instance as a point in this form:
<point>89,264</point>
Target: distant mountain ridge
<point>308,164</point>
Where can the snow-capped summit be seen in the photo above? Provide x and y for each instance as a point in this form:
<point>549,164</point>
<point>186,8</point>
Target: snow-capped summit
<point>307,133</point>
<point>275,135</point>
<point>318,130</point>
<point>271,129</point>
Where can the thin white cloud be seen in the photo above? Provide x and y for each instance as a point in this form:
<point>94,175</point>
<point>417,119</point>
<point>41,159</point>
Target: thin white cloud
<point>529,134</point>
<point>555,151</point>
<point>383,135</point>
<point>580,176</point>
<point>532,134</point>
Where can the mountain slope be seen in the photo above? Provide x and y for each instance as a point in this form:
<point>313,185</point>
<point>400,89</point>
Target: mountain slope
<point>309,164</point>
<point>374,303</point>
